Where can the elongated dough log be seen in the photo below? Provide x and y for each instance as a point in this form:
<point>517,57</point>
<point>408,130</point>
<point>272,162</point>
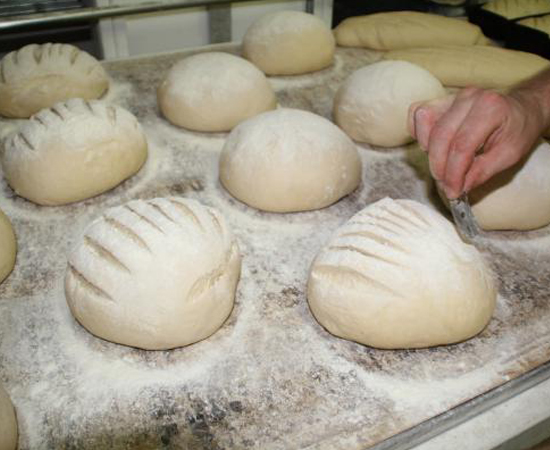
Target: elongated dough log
<point>406,29</point>
<point>8,247</point>
<point>154,274</point>
<point>482,66</point>
<point>514,9</point>
<point>38,76</point>
<point>541,23</point>
<point>397,275</point>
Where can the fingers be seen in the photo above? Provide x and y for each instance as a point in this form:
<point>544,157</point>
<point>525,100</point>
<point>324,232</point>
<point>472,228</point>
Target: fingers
<point>424,115</point>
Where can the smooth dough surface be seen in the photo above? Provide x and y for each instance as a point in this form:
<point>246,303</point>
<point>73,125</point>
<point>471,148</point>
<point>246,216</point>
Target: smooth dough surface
<point>373,103</point>
<point>154,274</point>
<point>289,43</point>
<point>479,65</point>
<point>541,23</point>
<point>73,151</point>
<point>289,160</point>
<point>406,29</point>
<point>38,76</point>
<point>397,275</point>
<point>8,422</point>
<point>514,9</point>
<point>214,91</point>
<point>8,246</point>
<point>519,197</point>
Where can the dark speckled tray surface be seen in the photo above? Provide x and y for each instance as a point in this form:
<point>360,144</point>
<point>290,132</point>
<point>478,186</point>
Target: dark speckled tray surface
<point>271,377</point>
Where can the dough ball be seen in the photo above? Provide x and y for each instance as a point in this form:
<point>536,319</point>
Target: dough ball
<point>289,43</point>
<point>73,151</point>
<point>518,198</point>
<point>38,76</point>
<point>397,275</point>
<point>405,29</point>
<point>214,92</point>
<point>373,103</point>
<point>154,274</point>
<point>8,422</point>
<point>289,160</point>
<point>478,65</point>
<point>8,247</point>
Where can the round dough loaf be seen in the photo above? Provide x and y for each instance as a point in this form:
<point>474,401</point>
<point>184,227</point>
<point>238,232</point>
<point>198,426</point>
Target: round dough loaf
<point>8,422</point>
<point>289,43</point>
<point>38,76</point>
<point>73,151</point>
<point>8,246</point>
<point>397,275</point>
<point>154,274</point>
<point>519,197</point>
<point>289,160</point>
<point>214,92</point>
<point>373,103</point>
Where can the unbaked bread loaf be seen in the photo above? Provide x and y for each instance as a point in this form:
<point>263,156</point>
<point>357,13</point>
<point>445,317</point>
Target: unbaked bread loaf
<point>289,43</point>
<point>406,29</point>
<point>289,160</point>
<point>214,91</point>
<point>8,422</point>
<point>73,151</point>
<point>482,66</point>
<point>8,247</point>
<point>38,76</point>
<point>154,274</point>
<point>514,9</point>
<point>517,198</point>
<point>373,103</point>
<point>541,23</point>
<point>397,275</point>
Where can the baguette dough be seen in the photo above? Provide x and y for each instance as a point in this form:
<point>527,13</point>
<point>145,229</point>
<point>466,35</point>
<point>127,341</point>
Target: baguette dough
<point>154,274</point>
<point>8,247</point>
<point>38,76</point>
<point>8,422</point>
<point>73,151</point>
<point>541,23</point>
<point>397,275</point>
<point>214,92</point>
<point>517,198</point>
<point>405,29</point>
<point>514,9</point>
<point>289,43</point>
<point>289,160</point>
<point>373,103</point>
<point>482,66</point>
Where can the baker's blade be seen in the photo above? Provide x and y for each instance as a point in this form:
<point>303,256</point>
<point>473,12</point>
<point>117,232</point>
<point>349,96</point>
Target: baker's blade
<point>464,218</point>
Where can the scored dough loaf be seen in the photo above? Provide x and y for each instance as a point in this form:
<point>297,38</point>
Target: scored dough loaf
<point>405,29</point>
<point>289,160</point>
<point>397,275</point>
<point>289,43</point>
<point>8,247</point>
<point>541,23</point>
<point>482,66</point>
<point>514,9</point>
<point>154,274</point>
<point>38,76</point>
<point>73,151</point>
<point>214,91</point>
<point>373,103</point>
<point>8,422</point>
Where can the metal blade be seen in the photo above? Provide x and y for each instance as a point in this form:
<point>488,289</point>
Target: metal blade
<point>464,218</point>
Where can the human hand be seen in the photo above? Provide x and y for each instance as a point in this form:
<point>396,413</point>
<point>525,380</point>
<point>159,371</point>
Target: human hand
<point>473,135</point>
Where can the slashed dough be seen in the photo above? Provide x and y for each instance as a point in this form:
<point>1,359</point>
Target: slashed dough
<point>514,9</point>
<point>154,274</point>
<point>406,29</point>
<point>289,160</point>
<point>397,275</point>
<point>482,66</point>
<point>38,76</point>
<point>73,151</point>
<point>373,103</point>
<point>214,91</point>
<point>8,422</point>
<point>8,247</point>
<point>289,43</point>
